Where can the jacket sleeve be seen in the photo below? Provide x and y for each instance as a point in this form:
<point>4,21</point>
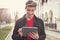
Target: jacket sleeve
<point>15,35</point>
<point>42,34</point>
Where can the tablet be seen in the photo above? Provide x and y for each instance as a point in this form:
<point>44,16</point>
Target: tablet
<point>26,30</point>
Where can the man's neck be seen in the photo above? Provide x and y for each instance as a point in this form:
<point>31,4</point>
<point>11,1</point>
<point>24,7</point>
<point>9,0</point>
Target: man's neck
<point>29,17</point>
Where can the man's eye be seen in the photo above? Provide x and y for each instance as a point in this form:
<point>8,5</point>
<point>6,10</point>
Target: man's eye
<point>28,10</point>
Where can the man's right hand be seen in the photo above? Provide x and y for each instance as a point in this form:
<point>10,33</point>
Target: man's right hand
<point>20,32</point>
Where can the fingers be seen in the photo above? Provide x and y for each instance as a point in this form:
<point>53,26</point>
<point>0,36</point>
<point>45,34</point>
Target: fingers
<point>20,32</point>
<point>20,29</point>
<point>33,35</point>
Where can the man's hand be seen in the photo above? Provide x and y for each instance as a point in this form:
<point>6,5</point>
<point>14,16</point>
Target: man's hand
<point>34,35</point>
<point>20,32</point>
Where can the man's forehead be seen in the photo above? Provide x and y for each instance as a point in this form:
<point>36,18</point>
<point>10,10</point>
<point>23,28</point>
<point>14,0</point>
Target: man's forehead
<point>30,7</point>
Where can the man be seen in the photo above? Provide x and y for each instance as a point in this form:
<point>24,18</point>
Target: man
<point>29,20</point>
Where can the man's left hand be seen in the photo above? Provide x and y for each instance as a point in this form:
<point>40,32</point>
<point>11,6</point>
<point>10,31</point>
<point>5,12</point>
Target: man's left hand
<point>34,35</point>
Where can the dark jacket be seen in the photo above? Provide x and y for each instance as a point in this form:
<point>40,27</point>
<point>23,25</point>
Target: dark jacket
<point>23,22</point>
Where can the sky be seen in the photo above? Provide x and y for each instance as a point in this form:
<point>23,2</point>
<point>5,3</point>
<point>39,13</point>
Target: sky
<point>14,6</point>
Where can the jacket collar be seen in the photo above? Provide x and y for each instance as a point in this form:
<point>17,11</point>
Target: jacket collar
<point>25,20</point>
<point>25,17</point>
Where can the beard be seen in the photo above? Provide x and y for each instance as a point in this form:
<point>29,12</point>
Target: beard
<point>29,15</point>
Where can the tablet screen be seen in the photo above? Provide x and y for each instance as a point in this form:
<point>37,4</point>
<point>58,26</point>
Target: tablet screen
<point>26,30</point>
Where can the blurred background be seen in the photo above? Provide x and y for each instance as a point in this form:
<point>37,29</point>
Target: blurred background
<point>47,10</point>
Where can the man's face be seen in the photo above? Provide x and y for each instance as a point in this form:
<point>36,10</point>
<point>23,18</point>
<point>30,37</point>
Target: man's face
<point>30,10</point>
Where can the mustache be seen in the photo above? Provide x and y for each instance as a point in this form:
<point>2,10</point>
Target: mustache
<point>30,14</point>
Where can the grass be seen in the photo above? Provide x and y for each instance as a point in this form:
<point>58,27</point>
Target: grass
<point>4,32</point>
